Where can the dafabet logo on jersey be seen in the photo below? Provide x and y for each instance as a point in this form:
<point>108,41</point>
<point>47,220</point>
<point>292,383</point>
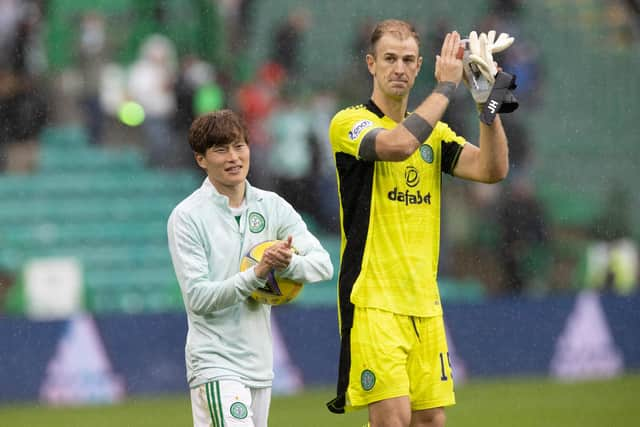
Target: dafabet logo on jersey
<point>409,198</point>
<point>358,128</point>
<point>412,179</point>
<point>411,176</point>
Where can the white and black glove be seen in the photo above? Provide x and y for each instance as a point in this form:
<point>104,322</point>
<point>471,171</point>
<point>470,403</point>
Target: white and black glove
<point>490,89</point>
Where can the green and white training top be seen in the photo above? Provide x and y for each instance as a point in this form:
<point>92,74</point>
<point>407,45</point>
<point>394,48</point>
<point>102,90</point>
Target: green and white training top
<point>229,334</point>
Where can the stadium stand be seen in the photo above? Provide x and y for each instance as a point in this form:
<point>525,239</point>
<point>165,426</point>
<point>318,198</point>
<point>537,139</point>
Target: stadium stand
<point>135,19</point>
<point>103,207</point>
<point>582,132</point>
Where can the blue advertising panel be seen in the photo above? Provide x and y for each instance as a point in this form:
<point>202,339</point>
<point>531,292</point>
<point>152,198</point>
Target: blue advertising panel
<point>104,358</point>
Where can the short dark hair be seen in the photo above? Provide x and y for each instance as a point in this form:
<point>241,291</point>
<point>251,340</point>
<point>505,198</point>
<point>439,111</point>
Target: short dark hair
<point>221,127</point>
<point>398,28</point>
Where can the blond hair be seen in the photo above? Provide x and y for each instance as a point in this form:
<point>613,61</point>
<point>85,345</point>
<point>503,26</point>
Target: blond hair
<point>395,27</point>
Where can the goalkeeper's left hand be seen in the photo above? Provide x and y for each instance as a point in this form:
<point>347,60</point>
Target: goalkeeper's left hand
<point>482,49</point>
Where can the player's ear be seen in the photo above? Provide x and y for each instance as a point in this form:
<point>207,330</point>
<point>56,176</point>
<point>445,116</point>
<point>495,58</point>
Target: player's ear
<point>419,63</point>
<point>371,64</point>
<point>200,160</point>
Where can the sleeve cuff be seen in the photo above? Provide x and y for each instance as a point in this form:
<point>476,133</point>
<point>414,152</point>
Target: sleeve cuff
<point>287,271</point>
<point>251,282</point>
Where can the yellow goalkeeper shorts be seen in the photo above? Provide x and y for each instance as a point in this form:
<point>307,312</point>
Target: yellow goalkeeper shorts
<point>394,355</point>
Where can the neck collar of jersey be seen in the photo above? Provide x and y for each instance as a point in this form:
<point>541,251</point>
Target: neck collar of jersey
<point>250,194</point>
<point>371,106</point>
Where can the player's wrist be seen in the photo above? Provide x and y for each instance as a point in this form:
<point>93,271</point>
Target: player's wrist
<point>446,88</point>
<point>419,127</point>
<point>261,271</point>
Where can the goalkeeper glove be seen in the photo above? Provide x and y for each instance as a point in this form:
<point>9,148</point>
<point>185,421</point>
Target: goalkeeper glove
<point>501,99</point>
<point>480,74</point>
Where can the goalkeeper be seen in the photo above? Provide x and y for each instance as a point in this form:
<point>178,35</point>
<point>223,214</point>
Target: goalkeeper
<point>394,359</point>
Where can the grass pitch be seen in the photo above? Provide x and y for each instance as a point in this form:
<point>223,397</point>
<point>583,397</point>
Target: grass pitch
<point>527,402</point>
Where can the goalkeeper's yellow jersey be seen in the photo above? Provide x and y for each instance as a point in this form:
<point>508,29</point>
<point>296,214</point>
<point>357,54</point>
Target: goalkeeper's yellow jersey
<point>390,217</point>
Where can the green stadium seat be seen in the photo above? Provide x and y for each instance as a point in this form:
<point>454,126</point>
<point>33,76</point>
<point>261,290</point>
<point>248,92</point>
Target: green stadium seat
<point>55,159</point>
<point>324,293</point>
<point>96,183</point>
<point>454,290</point>
<point>65,136</point>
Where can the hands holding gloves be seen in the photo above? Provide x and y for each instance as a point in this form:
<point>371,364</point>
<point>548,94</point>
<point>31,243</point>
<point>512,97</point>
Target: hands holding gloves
<point>490,88</point>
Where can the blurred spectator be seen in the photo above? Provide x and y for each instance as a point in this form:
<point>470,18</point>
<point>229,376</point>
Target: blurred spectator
<point>634,8</point>
<point>523,236</point>
<point>7,280</point>
<point>21,37</point>
<point>360,42</point>
<point>152,85</point>
<point>13,25</point>
<point>622,22</point>
<point>23,102</point>
<point>255,100</point>
<point>287,42</point>
<point>612,266</point>
<point>237,16</point>
<point>23,113</point>
<point>291,155</point>
<point>325,200</point>
<point>197,92</point>
<point>356,67</point>
<point>93,54</point>
<point>611,258</point>
<point>520,150</point>
<point>508,9</point>
<point>522,59</point>
<point>195,74</point>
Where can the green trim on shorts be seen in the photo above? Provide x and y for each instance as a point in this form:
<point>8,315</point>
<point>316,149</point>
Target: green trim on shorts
<point>214,402</point>
<point>219,400</point>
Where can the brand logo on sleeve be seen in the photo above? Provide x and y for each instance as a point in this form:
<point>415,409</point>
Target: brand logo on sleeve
<point>358,128</point>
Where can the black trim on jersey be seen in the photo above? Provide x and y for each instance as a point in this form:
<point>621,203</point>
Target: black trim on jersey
<point>356,185</point>
<point>450,154</point>
<point>371,106</point>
